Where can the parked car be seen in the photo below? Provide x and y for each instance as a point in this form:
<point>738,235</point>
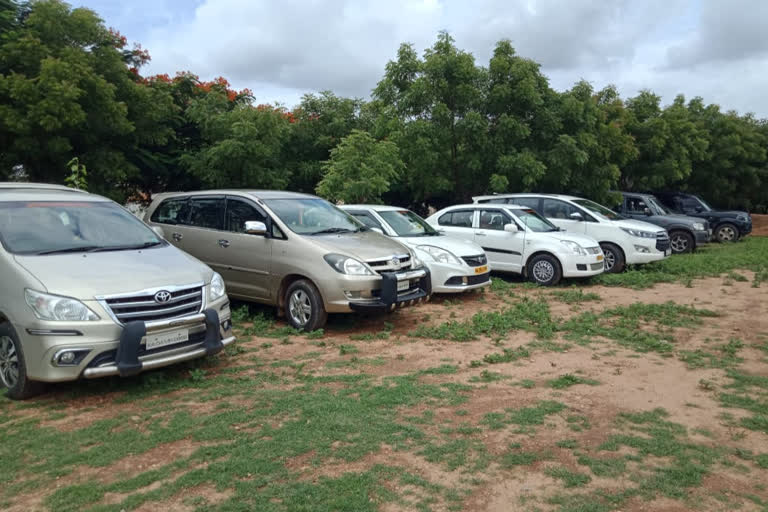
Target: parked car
<point>89,291</point>
<point>455,265</point>
<point>624,241</point>
<point>727,226</point>
<point>685,232</point>
<point>294,251</point>
<point>517,239</point>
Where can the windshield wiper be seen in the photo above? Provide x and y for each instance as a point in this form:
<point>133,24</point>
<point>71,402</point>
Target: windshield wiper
<point>332,230</point>
<point>134,247</point>
<point>83,248</point>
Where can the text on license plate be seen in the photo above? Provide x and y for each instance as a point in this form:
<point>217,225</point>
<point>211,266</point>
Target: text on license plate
<point>481,270</point>
<point>599,257</point>
<point>166,338</point>
<point>403,285</point>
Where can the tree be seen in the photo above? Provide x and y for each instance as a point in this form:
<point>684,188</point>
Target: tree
<point>360,169</point>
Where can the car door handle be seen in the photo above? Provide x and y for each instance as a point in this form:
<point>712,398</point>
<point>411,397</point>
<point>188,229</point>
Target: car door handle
<point>177,236</point>
<point>224,243</point>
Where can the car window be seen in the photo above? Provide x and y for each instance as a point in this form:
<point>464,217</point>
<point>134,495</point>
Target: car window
<point>496,200</point>
<point>556,209</point>
<point>457,218</point>
<point>407,223</point>
<point>597,209</point>
<point>207,212</point>
<point>534,221</point>
<point>367,219</point>
<point>171,211</point>
<point>493,219</point>
<point>530,202</point>
<point>635,205</point>
<point>239,212</point>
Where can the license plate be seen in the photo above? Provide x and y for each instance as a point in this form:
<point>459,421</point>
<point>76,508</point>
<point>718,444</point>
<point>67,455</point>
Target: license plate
<point>667,252</point>
<point>599,257</point>
<point>403,285</point>
<point>481,270</point>
<point>166,338</point>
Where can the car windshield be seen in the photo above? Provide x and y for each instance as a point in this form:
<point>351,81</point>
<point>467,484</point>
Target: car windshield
<point>313,216</point>
<point>534,221</point>
<point>656,206</point>
<point>407,223</point>
<point>47,227</point>
<point>599,210</point>
<point>706,206</point>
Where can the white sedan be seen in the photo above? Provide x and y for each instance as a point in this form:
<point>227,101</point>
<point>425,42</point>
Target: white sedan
<point>456,265</point>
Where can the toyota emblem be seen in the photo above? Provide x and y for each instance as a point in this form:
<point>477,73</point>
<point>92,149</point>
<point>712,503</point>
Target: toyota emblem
<point>162,297</point>
<point>395,263</point>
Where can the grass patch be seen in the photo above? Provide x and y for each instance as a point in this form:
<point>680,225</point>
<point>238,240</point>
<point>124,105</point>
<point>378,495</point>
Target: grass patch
<point>568,380</point>
<point>575,296</point>
<point>524,417</point>
<point>569,478</point>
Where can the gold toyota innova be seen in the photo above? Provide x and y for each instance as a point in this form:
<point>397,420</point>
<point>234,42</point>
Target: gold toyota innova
<point>89,290</point>
<point>294,251</point>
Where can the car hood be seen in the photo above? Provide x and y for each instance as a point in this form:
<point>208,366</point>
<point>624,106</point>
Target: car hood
<point>582,240</point>
<point>676,218</point>
<point>85,276</point>
<point>724,214</point>
<point>454,245</point>
<point>365,245</point>
<point>637,224</point>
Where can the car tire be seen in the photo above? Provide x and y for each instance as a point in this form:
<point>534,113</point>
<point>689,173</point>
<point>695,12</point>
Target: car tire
<point>13,369</point>
<point>544,270</point>
<point>681,242</point>
<point>614,258</point>
<point>304,306</point>
<point>727,232</point>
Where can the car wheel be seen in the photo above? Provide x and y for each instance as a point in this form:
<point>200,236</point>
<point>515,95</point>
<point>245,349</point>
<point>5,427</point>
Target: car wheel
<point>727,233</point>
<point>681,242</point>
<point>13,370</point>
<point>544,270</point>
<point>614,258</point>
<point>304,306</point>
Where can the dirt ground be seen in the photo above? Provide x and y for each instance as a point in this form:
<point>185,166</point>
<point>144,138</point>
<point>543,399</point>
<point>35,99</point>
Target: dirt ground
<point>628,381</point>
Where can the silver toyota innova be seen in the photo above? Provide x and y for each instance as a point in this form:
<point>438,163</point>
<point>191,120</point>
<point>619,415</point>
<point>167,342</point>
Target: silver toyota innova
<point>89,290</point>
<point>294,251</point>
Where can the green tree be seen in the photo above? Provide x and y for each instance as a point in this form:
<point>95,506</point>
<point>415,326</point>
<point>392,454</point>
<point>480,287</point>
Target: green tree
<point>360,169</point>
<point>78,176</point>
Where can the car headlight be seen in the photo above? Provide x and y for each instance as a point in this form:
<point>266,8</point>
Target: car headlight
<point>698,226</point>
<point>639,233</point>
<point>346,265</point>
<point>217,289</point>
<point>742,217</point>
<point>61,309</point>
<point>574,247</point>
<point>440,255</point>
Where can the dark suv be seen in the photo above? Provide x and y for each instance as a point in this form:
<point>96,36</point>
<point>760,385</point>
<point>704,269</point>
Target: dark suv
<point>685,232</point>
<point>727,226</point>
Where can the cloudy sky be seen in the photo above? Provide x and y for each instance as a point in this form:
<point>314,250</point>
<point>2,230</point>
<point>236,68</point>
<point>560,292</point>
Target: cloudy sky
<point>717,49</point>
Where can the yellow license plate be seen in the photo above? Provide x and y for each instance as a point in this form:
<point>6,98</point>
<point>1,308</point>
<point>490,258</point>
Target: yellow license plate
<point>481,270</point>
<point>599,257</point>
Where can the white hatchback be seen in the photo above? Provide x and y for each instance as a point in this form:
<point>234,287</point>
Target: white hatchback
<point>517,239</point>
<point>624,241</point>
<point>456,265</point>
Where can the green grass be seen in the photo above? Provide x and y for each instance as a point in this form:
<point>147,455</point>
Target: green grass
<point>575,296</point>
<point>568,380</point>
<point>569,478</point>
<point>524,417</point>
<point>725,357</point>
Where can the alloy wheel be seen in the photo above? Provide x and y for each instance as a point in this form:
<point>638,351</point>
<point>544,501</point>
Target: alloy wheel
<point>610,260</point>
<point>543,271</point>
<point>300,307</point>
<point>726,234</point>
<point>679,243</point>
<point>9,362</point>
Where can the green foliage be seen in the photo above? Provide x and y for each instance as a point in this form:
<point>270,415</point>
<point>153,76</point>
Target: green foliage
<point>78,176</point>
<point>360,169</point>
<point>568,380</point>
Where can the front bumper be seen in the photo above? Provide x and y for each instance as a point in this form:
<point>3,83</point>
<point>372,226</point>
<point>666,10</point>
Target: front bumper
<point>583,266</point>
<point>106,348</point>
<point>703,237</point>
<point>457,278</point>
<point>388,298</point>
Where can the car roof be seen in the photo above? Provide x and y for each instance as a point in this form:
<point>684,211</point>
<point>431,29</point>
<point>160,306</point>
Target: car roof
<point>374,207</point>
<point>256,193</point>
<point>489,205</point>
<point>525,194</point>
<point>19,191</point>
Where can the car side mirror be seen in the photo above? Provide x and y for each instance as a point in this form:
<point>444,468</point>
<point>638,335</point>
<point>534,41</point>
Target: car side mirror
<point>511,228</point>
<point>158,231</point>
<point>378,230</point>
<point>647,211</point>
<point>699,209</point>
<point>255,227</point>
<point>576,216</point>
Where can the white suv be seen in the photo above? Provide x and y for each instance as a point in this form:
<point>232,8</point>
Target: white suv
<point>517,239</point>
<point>624,241</point>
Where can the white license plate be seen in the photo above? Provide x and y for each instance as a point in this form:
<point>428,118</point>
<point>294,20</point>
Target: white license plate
<point>667,252</point>
<point>166,338</point>
<point>403,285</point>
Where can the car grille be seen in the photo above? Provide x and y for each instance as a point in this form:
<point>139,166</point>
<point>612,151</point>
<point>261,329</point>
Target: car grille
<point>596,266</point>
<point>662,241</point>
<point>475,261</point>
<point>144,308</point>
<point>471,280</point>
<point>593,250</point>
<point>389,265</point>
